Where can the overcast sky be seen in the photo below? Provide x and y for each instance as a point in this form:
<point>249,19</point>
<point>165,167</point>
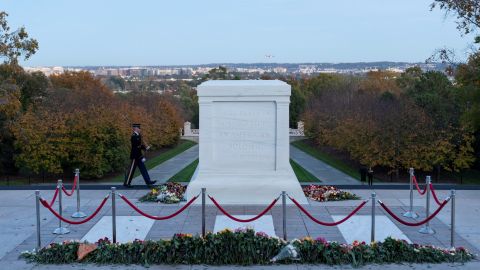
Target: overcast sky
<point>173,32</point>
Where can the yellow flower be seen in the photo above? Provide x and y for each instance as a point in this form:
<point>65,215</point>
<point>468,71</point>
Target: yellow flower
<point>307,238</point>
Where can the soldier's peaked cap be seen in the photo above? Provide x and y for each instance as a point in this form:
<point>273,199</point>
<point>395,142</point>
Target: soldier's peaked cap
<point>135,125</point>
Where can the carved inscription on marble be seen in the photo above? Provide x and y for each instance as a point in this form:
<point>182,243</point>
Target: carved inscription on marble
<point>244,135</point>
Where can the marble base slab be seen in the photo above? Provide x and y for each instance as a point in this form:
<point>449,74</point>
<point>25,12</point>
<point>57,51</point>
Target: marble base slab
<point>359,228</point>
<point>263,224</point>
<point>246,189</point>
<point>129,228</point>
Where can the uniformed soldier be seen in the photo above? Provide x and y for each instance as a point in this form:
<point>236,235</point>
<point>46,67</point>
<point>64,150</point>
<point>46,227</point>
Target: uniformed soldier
<point>137,157</point>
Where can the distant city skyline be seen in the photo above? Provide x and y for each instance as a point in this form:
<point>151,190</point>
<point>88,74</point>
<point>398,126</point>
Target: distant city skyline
<point>150,33</point>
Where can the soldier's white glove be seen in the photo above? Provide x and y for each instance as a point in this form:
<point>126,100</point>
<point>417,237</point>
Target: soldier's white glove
<point>148,147</point>
<point>144,159</point>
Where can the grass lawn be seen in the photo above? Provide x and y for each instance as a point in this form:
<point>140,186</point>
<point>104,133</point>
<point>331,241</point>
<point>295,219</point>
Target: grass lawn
<point>159,159</point>
<point>302,174</point>
<point>335,163</point>
<point>469,177</point>
<point>186,173</point>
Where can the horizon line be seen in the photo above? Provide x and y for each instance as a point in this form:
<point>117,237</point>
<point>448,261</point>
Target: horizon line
<point>243,63</point>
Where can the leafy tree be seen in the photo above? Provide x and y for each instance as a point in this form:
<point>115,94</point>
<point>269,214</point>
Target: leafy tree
<point>467,77</point>
<point>466,11</point>
<point>380,81</point>
<point>409,78</point>
<point>297,105</point>
<point>14,44</point>
<point>434,92</point>
<point>10,107</point>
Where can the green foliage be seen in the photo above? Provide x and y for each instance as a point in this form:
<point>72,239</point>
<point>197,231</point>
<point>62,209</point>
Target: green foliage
<point>14,44</point>
<point>245,247</point>
<point>297,105</point>
<point>468,78</point>
<point>220,73</point>
<point>10,107</point>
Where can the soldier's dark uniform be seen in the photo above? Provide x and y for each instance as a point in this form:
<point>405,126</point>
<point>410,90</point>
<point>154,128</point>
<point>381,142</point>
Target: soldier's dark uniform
<point>137,159</point>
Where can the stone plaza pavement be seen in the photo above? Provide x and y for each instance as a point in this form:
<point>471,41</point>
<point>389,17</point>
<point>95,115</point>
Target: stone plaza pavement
<point>17,220</point>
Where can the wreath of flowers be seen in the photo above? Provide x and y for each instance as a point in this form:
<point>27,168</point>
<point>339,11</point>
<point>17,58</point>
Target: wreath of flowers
<point>170,192</point>
<point>328,193</point>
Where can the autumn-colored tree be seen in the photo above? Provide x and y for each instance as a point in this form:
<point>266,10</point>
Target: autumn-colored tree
<point>82,124</point>
<point>380,81</point>
<point>42,140</point>
<point>415,127</point>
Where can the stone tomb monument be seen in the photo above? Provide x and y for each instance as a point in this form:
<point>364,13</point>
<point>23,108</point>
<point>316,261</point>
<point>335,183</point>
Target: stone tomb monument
<point>244,142</point>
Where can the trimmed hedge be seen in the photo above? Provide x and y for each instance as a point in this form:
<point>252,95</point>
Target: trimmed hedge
<point>245,247</point>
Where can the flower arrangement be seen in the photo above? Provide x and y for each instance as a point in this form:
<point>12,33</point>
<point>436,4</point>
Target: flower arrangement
<point>327,193</point>
<point>170,192</point>
<point>245,247</point>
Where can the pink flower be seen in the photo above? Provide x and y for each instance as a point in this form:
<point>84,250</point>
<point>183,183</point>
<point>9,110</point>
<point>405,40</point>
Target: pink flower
<point>261,234</point>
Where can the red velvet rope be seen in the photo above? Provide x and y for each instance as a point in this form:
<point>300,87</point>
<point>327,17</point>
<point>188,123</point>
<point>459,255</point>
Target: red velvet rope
<point>327,223</point>
<point>434,195</point>
<point>70,193</point>
<point>414,223</point>
<point>243,220</point>
<point>54,197</point>
<point>157,217</point>
<point>418,188</point>
<point>45,203</point>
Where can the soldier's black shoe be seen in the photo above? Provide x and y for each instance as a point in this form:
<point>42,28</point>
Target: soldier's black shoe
<point>151,183</point>
<point>127,186</point>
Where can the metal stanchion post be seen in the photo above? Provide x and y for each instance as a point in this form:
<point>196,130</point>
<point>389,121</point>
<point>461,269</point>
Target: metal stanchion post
<point>452,219</point>
<point>410,213</point>
<point>426,229</point>
<point>372,233</point>
<point>204,191</point>
<point>60,229</point>
<point>37,208</point>
<point>284,215</point>
<point>114,216</point>
<point>78,214</point>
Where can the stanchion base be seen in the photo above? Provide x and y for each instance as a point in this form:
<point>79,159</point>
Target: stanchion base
<point>410,214</point>
<point>61,230</point>
<point>426,230</point>
<point>78,215</point>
